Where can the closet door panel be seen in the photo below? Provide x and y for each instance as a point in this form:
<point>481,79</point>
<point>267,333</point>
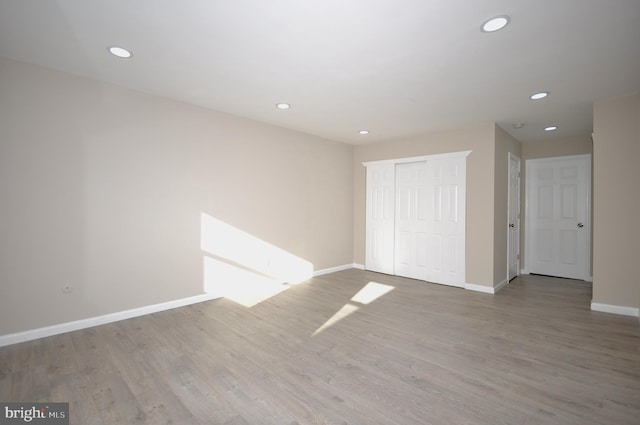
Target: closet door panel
<point>380,218</point>
<point>411,223</point>
<point>447,224</point>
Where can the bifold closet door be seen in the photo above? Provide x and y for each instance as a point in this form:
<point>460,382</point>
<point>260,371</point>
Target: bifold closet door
<point>411,225</point>
<point>446,207</point>
<point>430,220</point>
<point>415,218</point>
<point>379,252</point>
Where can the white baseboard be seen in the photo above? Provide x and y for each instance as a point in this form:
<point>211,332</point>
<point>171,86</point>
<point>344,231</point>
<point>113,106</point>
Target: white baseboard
<point>358,266</point>
<point>47,331</point>
<point>615,309</point>
<point>479,288</point>
<point>500,285</point>
<point>30,335</point>
<point>333,269</point>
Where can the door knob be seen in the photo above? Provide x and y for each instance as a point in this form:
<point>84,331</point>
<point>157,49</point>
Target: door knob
<point>580,225</point>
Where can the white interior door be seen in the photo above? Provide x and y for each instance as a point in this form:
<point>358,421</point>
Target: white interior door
<point>380,222</point>
<point>411,220</point>
<point>514,216</point>
<point>558,229</point>
<point>446,207</point>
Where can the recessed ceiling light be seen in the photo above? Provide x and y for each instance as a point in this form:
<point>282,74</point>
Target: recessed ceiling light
<point>283,106</point>
<point>495,24</point>
<point>551,128</point>
<point>120,52</point>
<point>518,125</point>
<point>363,132</point>
<point>539,95</point>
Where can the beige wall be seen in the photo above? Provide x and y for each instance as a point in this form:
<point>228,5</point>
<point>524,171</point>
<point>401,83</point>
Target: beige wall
<point>102,188</point>
<point>562,146</point>
<point>616,176</point>
<point>480,189</point>
<point>505,144</point>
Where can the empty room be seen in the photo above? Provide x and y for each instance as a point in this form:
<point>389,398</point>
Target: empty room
<point>326,213</point>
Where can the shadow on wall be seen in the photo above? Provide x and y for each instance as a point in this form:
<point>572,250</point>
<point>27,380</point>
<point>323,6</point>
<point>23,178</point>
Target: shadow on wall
<point>243,268</point>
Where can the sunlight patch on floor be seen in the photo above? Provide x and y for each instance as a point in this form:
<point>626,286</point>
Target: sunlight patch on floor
<point>371,292</point>
<point>345,311</point>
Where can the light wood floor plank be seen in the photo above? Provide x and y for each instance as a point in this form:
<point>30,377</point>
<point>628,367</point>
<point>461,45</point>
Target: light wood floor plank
<point>421,354</point>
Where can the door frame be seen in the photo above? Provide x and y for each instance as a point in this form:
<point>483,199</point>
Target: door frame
<point>511,157</point>
<point>588,219</point>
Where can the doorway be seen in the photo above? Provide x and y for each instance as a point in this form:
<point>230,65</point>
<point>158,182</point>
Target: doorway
<point>558,216</point>
<point>513,238</point>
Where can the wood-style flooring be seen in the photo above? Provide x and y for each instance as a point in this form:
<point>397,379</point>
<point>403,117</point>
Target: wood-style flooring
<point>420,354</point>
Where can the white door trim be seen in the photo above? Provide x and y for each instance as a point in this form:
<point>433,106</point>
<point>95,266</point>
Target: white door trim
<point>511,157</point>
<point>418,158</point>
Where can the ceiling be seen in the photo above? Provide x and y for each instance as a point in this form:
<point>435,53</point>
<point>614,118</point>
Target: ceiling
<point>397,68</point>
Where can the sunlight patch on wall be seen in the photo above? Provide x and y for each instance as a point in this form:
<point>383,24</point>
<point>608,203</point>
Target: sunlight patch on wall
<point>245,268</point>
<point>371,292</point>
<point>237,284</point>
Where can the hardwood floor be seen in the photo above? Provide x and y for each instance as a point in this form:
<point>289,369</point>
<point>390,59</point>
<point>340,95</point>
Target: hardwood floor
<point>420,354</point>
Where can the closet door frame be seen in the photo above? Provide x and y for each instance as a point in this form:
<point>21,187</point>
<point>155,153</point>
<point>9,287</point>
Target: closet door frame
<point>390,230</point>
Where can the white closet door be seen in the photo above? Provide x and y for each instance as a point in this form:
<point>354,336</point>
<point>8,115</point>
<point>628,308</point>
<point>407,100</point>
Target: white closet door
<point>415,217</point>
<point>445,249</point>
<point>379,252</point>
<point>411,220</point>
